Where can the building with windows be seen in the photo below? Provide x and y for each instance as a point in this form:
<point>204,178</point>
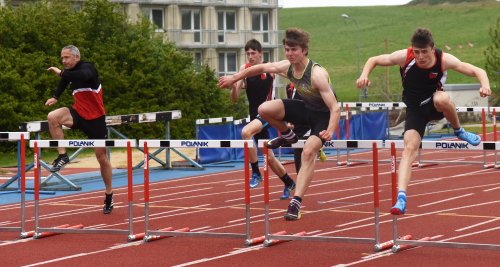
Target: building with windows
<point>215,31</point>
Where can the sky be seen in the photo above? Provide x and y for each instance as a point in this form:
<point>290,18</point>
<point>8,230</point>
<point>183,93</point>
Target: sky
<point>319,3</point>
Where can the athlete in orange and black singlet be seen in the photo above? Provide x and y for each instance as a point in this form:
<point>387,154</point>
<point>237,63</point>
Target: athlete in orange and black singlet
<point>423,71</point>
<point>419,86</point>
<point>259,89</point>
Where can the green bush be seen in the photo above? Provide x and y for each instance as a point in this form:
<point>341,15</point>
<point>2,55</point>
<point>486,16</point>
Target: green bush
<point>139,72</point>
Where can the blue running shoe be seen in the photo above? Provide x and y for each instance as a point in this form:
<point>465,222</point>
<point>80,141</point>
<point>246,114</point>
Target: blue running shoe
<point>286,191</point>
<point>255,180</point>
<point>293,212</point>
<point>399,208</point>
<point>470,138</point>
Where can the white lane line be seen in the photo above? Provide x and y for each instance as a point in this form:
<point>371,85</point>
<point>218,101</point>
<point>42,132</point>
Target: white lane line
<point>182,192</point>
<point>491,189</point>
<point>444,200</point>
<point>344,198</point>
<point>473,233</point>
<point>229,254</point>
<point>412,216</point>
<point>477,224</point>
<point>16,241</point>
<point>196,196</point>
<point>337,180</point>
<point>377,255</point>
<point>84,254</point>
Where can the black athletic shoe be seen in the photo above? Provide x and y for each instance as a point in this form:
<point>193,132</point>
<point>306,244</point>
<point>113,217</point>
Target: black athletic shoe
<point>280,141</point>
<point>59,162</point>
<point>293,212</point>
<point>108,204</point>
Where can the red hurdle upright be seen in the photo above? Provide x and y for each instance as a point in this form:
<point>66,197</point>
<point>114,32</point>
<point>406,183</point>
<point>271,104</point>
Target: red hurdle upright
<point>20,137</point>
<point>41,232</point>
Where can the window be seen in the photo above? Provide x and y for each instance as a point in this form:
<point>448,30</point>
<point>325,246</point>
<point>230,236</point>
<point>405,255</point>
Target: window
<point>191,21</point>
<point>226,21</point>
<point>156,17</point>
<point>198,60</point>
<point>260,23</point>
<point>266,56</point>
<point>227,63</point>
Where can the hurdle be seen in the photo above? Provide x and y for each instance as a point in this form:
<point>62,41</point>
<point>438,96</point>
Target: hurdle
<point>374,145</point>
<point>401,244</point>
<point>37,127</point>
<point>423,163</point>
<point>20,138</point>
<point>245,144</point>
<point>347,162</point>
<point>102,143</point>
<point>150,117</point>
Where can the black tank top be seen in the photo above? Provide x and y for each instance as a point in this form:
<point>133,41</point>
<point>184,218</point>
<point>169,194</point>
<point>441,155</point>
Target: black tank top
<point>420,84</point>
<point>303,84</point>
<point>259,89</point>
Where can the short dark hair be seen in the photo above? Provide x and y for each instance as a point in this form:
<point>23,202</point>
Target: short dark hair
<point>254,45</point>
<point>296,37</point>
<point>422,38</point>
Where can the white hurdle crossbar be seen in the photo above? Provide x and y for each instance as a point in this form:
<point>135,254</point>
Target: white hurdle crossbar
<point>119,143</point>
<point>20,138</point>
<point>151,235</point>
<point>451,145</point>
<point>367,144</point>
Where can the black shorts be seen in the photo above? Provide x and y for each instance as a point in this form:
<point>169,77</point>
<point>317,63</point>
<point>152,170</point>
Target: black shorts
<point>94,129</point>
<point>417,117</point>
<point>264,134</point>
<point>296,112</point>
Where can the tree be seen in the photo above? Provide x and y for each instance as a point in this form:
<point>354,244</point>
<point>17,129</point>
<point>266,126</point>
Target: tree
<point>139,72</point>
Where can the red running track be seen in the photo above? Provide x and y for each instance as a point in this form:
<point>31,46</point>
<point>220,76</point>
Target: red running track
<point>447,202</point>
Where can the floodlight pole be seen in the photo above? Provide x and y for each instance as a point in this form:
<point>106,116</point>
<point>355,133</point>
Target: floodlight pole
<point>364,90</point>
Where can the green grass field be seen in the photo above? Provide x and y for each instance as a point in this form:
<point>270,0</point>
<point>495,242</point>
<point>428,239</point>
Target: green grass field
<point>379,30</point>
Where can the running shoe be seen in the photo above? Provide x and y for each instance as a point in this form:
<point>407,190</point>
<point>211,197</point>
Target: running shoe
<point>286,191</point>
<point>255,180</point>
<point>469,137</point>
<point>293,212</point>
<point>399,208</point>
<point>108,204</point>
<point>59,162</point>
<point>280,141</point>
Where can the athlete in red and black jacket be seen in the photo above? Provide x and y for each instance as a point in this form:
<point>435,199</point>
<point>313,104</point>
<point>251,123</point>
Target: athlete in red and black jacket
<point>85,84</point>
<point>87,113</point>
